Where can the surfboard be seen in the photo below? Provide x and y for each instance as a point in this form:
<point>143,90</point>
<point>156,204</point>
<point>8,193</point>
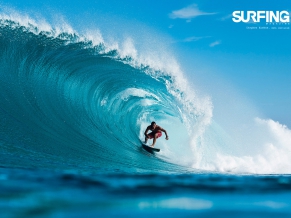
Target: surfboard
<point>150,149</point>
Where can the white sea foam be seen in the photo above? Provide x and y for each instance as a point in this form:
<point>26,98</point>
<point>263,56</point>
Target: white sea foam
<point>124,95</point>
<point>36,24</point>
<point>94,36</point>
<point>273,157</point>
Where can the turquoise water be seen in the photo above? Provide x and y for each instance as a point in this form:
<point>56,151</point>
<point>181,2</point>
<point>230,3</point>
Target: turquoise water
<point>73,114</point>
<point>47,193</point>
<point>65,102</point>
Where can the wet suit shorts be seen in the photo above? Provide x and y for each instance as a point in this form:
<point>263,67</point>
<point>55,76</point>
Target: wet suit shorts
<point>152,135</point>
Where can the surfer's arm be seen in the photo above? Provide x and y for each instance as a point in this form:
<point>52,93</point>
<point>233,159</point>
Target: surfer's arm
<point>163,130</point>
<point>145,133</point>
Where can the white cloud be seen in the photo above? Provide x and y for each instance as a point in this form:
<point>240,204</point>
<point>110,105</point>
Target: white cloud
<point>195,38</point>
<point>218,42</point>
<point>188,12</point>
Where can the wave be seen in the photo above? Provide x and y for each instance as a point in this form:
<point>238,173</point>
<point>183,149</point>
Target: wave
<point>75,101</point>
<point>67,101</point>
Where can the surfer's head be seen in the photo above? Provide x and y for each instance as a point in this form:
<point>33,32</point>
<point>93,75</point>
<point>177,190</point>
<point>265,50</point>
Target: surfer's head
<point>153,124</point>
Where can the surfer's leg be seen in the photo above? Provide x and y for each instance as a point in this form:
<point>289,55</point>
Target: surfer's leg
<point>150,136</point>
<point>155,139</point>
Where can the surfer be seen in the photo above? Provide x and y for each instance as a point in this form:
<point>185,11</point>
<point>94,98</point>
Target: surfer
<point>156,133</point>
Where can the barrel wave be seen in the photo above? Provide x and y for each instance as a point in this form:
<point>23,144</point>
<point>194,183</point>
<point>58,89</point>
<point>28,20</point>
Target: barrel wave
<point>69,103</point>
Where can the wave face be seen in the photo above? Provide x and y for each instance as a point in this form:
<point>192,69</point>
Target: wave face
<point>67,103</point>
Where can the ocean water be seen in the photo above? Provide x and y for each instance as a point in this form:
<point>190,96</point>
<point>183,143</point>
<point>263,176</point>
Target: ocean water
<point>73,110</point>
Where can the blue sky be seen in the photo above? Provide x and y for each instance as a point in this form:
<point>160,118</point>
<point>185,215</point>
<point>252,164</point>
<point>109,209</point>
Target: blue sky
<point>214,51</point>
